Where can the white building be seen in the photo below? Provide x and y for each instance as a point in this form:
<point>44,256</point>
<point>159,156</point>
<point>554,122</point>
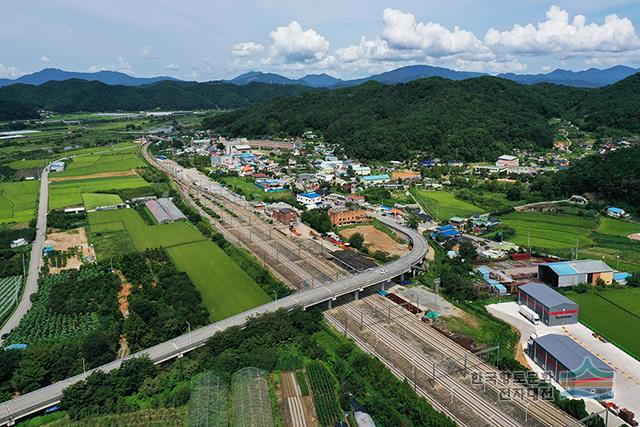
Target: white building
<point>310,200</point>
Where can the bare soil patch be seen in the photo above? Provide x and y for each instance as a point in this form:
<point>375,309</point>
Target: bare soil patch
<point>297,410</point>
<point>376,240</point>
<point>64,241</point>
<point>94,175</point>
<point>634,236</point>
<point>404,174</point>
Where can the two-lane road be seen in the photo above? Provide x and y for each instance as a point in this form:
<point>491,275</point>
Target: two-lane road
<point>33,274</point>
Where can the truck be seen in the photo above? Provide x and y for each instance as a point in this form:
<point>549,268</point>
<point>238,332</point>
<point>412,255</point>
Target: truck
<point>529,314</point>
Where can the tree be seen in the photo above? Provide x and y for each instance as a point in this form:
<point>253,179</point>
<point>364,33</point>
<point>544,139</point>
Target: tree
<point>356,240</point>
<point>467,251</point>
<point>318,219</point>
<point>413,221</point>
<point>514,192</point>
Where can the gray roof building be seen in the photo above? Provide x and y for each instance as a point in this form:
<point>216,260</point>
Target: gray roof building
<point>569,353</point>
<point>571,273</point>
<point>552,307</point>
<point>171,209</point>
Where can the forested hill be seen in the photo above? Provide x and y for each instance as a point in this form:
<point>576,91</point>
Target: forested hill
<point>475,118</point>
<point>21,101</point>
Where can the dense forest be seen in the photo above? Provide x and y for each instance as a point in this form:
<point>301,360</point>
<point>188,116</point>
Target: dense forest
<point>615,176</point>
<point>21,101</point>
<point>473,119</point>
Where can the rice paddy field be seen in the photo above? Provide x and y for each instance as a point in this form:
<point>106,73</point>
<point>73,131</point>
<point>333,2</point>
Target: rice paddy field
<point>114,161</point>
<point>550,231</point>
<point>602,238</point>
<point>18,201</point>
<point>226,289</point>
<point>95,200</point>
<point>141,235</point>
<point>443,204</point>
<point>69,193</point>
<point>622,319</point>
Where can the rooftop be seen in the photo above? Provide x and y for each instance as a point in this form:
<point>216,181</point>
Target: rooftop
<point>568,268</point>
<point>571,354</point>
<point>545,295</point>
<point>309,195</point>
<point>375,177</point>
<point>507,157</point>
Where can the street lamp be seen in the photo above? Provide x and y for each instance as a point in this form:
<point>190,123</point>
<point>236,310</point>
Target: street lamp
<point>190,337</point>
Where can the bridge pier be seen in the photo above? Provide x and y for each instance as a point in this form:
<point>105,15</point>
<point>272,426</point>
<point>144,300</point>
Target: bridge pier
<point>356,294</point>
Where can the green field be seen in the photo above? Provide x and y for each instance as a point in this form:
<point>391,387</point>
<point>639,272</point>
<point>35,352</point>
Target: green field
<point>141,235</point>
<point>69,193</point>
<point>549,231</point>
<point>28,164</point>
<point>251,191</point>
<point>556,234</point>
<point>614,314</point>
<point>18,200</point>
<point>99,163</point>
<point>617,227</point>
<point>226,289</point>
<point>9,291</point>
<point>94,200</point>
<point>443,204</point>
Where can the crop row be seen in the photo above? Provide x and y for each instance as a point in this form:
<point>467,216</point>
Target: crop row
<point>324,394</point>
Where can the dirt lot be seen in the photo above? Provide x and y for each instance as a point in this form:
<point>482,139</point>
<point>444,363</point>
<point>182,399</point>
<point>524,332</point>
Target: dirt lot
<point>297,410</point>
<point>404,175</point>
<point>64,240</point>
<point>376,240</point>
<point>634,236</point>
<point>94,175</point>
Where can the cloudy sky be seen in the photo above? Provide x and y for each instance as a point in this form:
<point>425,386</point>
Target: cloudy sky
<point>215,39</point>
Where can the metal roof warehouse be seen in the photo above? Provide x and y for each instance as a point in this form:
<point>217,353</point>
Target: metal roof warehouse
<point>552,307</point>
<point>571,273</point>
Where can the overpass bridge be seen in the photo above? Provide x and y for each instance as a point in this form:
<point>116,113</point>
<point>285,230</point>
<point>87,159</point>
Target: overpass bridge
<point>40,399</point>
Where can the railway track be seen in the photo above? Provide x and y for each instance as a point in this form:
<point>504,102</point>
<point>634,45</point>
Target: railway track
<point>397,372</point>
<point>542,410</point>
<point>459,391</point>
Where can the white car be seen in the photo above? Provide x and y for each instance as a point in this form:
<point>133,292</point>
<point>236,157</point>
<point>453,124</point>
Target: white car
<point>382,271</point>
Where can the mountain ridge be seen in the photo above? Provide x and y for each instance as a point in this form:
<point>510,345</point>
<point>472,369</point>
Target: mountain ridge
<point>105,76</point>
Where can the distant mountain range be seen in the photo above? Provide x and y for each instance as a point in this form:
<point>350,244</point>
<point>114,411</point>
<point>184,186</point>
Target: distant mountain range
<point>107,77</point>
<point>592,77</point>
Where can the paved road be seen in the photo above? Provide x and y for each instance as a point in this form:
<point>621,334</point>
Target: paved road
<point>36,256</point>
<point>47,396</point>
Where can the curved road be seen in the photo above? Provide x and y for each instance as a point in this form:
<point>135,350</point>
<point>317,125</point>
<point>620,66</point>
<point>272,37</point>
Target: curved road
<point>42,398</point>
<point>31,286</point>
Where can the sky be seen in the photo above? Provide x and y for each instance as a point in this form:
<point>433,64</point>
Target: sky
<point>219,39</point>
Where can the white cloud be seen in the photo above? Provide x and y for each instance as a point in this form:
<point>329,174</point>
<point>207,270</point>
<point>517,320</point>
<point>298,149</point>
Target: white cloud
<point>293,44</point>
<point>563,38</point>
<point>402,32</point>
<point>45,59</point>
<point>172,67</point>
<point>247,49</point>
<point>9,72</point>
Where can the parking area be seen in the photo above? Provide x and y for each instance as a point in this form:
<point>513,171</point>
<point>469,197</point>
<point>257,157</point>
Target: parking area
<point>627,369</point>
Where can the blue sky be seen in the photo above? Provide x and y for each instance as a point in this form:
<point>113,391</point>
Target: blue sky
<point>206,40</point>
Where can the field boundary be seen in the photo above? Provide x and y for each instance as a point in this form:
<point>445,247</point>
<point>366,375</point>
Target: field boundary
<point>612,341</point>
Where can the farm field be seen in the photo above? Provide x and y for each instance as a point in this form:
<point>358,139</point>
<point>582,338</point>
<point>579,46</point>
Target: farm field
<point>94,200</point>
<point>557,234</point>
<point>9,290</point>
<point>139,234</point>
<point>18,200</point>
<point>69,193</point>
<point>250,190</point>
<point>225,288</point>
<point>550,232</point>
<point>622,319</point>
<point>123,160</point>
<point>443,204</point>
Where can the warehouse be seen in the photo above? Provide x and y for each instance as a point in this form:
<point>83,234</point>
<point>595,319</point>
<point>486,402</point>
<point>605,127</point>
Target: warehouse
<point>552,307</point>
<point>571,273</point>
<point>577,370</point>
<point>165,211</point>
